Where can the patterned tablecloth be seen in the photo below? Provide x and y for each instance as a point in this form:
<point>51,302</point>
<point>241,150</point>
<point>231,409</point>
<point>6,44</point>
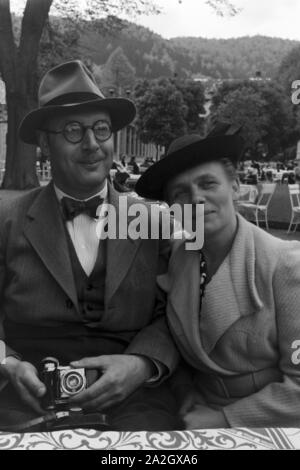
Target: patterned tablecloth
<point>227,439</point>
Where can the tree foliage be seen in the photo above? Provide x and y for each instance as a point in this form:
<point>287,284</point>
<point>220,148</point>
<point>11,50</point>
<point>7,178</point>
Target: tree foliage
<point>161,111</point>
<point>153,56</point>
<point>262,108</point>
<point>168,108</point>
<point>117,74</point>
<point>289,69</point>
<point>194,99</point>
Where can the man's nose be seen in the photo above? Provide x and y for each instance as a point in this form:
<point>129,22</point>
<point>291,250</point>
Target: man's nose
<point>89,140</point>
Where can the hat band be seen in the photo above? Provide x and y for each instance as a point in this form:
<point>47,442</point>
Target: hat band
<point>73,98</point>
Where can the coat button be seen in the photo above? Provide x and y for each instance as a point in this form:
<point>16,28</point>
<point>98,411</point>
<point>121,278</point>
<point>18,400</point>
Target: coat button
<point>89,308</point>
<point>89,287</point>
<point>69,303</point>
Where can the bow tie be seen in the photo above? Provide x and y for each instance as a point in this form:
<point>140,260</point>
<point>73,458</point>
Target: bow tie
<point>71,208</point>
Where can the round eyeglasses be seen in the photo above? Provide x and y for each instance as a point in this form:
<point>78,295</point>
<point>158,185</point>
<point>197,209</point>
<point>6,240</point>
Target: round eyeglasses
<point>74,131</point>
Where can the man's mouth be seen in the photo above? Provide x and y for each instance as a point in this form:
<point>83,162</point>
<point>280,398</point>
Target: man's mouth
<point>91,162</point>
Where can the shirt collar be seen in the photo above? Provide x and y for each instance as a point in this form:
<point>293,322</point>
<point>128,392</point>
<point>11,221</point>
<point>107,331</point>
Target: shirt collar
<point>60,194</point>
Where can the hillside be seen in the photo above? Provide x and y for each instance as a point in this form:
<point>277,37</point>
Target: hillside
<point>153,56</point>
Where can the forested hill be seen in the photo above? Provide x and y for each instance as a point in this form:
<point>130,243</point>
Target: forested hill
<point>153,56</point>
<point>235,58</point>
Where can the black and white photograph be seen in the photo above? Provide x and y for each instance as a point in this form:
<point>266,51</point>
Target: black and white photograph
<point>149,227</point>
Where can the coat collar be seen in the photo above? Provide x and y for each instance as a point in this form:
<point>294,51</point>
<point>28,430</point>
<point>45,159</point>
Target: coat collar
<point>44,229</point>
<point>120,252</point>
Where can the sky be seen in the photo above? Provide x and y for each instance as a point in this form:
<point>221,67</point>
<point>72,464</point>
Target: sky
<point>276,18</point>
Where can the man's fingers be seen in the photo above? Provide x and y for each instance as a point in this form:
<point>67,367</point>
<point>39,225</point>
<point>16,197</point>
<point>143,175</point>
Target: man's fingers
<point>98,388</point>
<point>29,399</point>
<point>31,382</point>
<point>91,362</point>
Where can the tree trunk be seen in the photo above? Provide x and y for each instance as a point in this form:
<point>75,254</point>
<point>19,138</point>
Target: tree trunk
<point>18,67</point>
<point>20,168</point>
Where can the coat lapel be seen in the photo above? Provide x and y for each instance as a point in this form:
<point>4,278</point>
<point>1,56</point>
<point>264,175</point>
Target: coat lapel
<point>234,284</point>
<point>182,282</point>
<point>45,231</point>
<point>120,252</point>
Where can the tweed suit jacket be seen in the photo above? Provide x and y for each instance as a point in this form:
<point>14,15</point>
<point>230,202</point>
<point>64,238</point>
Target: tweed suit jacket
<point>249,321</point>
<point>37,286</point>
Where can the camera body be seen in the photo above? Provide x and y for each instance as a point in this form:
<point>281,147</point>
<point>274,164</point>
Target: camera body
<point>62,382</point>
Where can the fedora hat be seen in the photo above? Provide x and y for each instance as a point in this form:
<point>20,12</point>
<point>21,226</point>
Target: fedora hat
<point>188,151</point>
<point>66,88</point>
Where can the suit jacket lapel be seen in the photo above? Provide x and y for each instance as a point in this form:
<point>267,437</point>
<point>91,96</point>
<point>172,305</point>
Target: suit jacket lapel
<point>120,252</point>
<point>45,231</point>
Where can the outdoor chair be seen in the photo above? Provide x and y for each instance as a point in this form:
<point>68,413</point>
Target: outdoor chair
<point>294,193</point>
<point>261,207</point>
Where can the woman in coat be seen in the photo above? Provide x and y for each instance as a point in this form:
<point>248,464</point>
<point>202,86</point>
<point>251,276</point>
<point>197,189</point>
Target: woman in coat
<point>242,337</point>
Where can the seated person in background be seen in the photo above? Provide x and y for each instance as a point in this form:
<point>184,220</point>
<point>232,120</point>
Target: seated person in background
<point>119,181</point>
<point>269,176</point>
<point>133,167</point>
<point>66,294</point>
<point>233,308</point>
<point>123,160</point>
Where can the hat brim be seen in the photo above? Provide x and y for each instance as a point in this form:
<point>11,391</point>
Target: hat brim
<point>121,111</point>
<point>152,183</point>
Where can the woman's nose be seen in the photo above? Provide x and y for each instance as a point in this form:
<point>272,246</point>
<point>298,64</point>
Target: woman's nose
<point>89,140</point>
<point>197,196</point>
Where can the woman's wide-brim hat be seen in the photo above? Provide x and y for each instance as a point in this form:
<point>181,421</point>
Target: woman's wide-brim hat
<point>189,151</point>
<point>69,87</point>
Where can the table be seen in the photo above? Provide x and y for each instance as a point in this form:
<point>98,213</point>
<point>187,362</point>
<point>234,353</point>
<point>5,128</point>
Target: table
<point>216,439</point>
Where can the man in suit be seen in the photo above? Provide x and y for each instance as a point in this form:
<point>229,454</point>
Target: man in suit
<point>65,294</point>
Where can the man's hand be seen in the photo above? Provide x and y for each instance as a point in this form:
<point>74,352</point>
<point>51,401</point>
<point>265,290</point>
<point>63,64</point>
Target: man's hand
<point>203,417</point>
<point>24,377</point>
<point>121,375</point>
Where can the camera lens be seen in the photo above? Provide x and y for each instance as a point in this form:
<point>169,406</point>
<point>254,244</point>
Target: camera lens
<point>72,382</point>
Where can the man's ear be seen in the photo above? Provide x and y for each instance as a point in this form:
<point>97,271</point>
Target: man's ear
<point>43,143</point>
<point>235,189</point>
